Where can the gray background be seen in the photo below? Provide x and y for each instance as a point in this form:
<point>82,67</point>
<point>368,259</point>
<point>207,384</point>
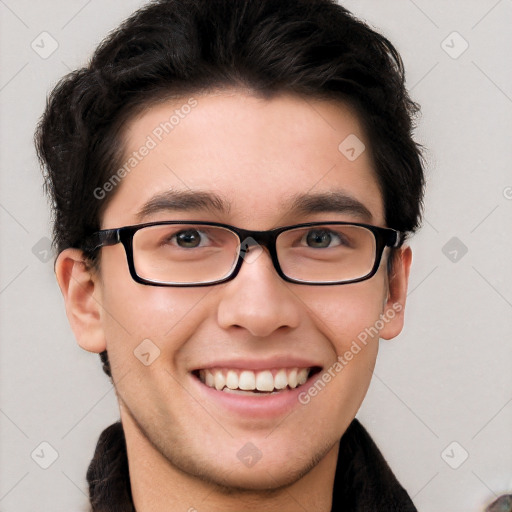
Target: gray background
<point>446,379</point>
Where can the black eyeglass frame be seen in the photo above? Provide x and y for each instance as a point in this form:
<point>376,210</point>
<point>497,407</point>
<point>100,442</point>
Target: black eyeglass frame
<point>384,237</point>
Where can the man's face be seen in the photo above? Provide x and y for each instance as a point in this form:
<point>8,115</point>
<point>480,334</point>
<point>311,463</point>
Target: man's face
<point>257,156</point>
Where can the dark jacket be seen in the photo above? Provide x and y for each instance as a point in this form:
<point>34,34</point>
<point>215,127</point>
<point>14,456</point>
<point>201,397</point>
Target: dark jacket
<point>364,482</point>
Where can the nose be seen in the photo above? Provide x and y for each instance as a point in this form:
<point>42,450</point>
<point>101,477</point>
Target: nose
<point>258,299</point>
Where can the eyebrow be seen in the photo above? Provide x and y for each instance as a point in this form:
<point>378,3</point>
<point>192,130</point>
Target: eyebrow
<point>183,200</point>
<point>336,201</point>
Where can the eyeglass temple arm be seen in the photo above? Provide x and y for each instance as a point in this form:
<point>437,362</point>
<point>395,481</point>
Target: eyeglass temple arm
<point>102,238</point>
<point>396,239</point>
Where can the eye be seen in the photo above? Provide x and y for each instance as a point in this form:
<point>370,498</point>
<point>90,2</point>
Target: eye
<point>322,238</point>
<point>188,239</point>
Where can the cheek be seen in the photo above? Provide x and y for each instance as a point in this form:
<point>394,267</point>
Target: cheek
<point>349,313</point>
<point>139,319</point>
<point>345,316</point>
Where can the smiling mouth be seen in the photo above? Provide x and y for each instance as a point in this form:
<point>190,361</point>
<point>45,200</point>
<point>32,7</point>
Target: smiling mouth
<point>261,382</point>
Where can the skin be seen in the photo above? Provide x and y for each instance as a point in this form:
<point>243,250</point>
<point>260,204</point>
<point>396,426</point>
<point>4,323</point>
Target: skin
<point>182,450</point>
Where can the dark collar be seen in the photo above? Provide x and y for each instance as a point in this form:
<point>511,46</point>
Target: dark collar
<point>363,481</point>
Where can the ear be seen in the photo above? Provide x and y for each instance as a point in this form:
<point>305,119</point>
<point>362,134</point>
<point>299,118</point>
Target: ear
<point>394,305</point>
<point>80,289</point>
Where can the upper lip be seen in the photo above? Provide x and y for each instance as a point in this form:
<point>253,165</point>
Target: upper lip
<point>260,364</point>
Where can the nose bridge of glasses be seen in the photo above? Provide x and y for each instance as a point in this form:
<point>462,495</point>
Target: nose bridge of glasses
<point>263,239</point>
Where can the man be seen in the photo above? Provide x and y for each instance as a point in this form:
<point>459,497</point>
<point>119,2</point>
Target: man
<point>233,184</point>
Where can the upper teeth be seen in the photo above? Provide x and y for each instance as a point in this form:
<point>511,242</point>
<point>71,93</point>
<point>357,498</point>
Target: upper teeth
<point>247,380</point>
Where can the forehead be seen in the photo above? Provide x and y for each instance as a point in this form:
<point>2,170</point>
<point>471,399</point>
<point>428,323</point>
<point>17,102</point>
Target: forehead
<point>245,160</point>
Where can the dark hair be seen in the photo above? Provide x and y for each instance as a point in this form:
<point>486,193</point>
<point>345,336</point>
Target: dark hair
<point>172,48</point>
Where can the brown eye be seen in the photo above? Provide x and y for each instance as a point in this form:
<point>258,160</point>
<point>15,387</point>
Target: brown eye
<point>188,239</point>
<point>319,238</point>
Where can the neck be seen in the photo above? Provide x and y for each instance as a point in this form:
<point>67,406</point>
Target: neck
<point>158,485</point>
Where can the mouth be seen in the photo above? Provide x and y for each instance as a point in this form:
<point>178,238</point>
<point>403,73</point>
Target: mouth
<point>255,383</point>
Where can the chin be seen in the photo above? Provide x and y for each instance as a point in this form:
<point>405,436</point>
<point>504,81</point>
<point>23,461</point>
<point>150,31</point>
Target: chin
<point>266,478</point>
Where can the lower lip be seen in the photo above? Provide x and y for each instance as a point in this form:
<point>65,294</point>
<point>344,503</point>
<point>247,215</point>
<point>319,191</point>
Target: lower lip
<point>257,406</point>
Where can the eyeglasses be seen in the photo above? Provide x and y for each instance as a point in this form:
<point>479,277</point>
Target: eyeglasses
<point>190,253</point>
